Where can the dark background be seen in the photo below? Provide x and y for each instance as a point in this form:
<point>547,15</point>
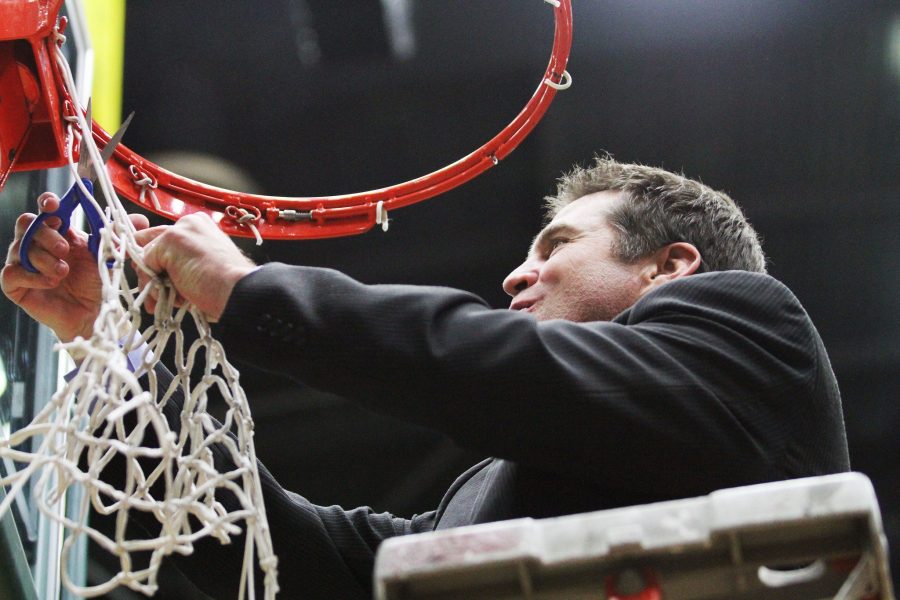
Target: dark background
<point>793,107</point>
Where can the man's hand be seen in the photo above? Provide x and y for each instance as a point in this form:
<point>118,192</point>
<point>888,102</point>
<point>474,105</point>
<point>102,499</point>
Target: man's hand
<point>199,259</point>
<point>65,292</point>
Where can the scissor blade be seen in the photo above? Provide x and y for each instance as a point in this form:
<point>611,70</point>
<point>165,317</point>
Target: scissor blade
<point>84,158</point>
<point>115,139</point>
<point>107,153</point>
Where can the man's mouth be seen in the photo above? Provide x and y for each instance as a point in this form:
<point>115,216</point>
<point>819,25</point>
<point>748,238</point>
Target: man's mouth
<point>523,305</point>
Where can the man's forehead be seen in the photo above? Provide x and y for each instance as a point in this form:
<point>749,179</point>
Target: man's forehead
<point>590,207</point>
<point>583,214</point>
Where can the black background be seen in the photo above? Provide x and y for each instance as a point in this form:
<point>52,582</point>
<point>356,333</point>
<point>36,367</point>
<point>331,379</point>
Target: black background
<point>790,106</point>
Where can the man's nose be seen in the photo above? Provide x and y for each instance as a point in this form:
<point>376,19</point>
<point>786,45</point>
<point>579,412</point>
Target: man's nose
<point>522,277</point>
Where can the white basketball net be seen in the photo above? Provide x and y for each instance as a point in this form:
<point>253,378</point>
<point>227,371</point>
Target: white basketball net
<point>82,428</point>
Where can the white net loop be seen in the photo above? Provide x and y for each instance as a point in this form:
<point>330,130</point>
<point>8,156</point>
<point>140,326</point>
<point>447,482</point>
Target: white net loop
<point>147,184</point>
<point>246,218</point>
<point>113,410</point>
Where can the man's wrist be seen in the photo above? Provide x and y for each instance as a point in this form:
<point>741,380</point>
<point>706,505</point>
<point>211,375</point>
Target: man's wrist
<point>230,283</point>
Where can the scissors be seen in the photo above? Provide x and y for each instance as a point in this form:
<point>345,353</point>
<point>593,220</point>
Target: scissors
<point>75,197</point>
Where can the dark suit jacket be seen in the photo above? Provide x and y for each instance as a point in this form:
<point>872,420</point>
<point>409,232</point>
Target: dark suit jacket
<point>710,381</point>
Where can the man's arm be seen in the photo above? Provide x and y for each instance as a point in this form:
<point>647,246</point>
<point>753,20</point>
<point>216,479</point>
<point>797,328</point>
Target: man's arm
<point>693,388</point>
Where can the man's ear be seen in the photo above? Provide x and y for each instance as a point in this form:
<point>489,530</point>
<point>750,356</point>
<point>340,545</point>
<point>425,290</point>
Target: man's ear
<point>671,262</point>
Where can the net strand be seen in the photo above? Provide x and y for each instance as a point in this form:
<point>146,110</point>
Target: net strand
<point>82,430</point>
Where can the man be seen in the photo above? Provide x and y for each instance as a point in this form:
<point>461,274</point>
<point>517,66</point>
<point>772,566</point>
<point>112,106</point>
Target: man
<point>647,356</point>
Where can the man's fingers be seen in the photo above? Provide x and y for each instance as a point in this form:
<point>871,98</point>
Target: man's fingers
<point>145,284</point>
<point>147,234</point>
<point>23,222</point>
<point>139,221</point>
<point>45,235</point>
<point>12,253</point>
<point>143,280</point>
<point>152,295</point>
<point>48,202</point>
<point>50,240</point>
<point>146,238</point>
<point>15,277</point>
<point>46,263</point>
<point>45,250</point>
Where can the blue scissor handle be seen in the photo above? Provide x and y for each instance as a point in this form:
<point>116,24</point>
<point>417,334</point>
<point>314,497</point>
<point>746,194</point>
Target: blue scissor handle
<point>67,204</point>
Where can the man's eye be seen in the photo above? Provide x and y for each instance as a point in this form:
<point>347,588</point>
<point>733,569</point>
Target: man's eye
<point>556,243</point>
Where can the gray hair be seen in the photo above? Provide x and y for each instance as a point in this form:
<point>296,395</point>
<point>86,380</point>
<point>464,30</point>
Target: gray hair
<point>660,208</point>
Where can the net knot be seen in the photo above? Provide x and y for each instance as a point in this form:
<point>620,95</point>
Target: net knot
<point>147,184</point>
<point>69,114</point>
<point>381,215</point>
<point>246,218</point>
<point>58,31</point>
<point>167,325</point>
<point>564,83</point>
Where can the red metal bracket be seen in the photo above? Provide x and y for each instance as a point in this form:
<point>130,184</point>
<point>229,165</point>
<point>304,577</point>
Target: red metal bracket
<point>35,136</point>
<point>32,132</point>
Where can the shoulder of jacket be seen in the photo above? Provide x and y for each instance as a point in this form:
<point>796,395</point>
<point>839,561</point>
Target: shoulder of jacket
<point>730,291</point>
<point>725,283</point>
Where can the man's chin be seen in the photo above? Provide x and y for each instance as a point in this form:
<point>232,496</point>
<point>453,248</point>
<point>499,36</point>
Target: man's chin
<point>542,312</point>
<point>543,315</point>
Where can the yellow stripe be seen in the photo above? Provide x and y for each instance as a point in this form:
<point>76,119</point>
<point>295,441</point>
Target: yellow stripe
<point>106,23</point>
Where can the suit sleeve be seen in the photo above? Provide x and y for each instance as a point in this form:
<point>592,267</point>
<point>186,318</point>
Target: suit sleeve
<point>684,392</point>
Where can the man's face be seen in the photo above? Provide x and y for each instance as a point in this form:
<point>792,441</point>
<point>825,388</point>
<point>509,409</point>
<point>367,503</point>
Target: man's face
<point>570,272</point>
